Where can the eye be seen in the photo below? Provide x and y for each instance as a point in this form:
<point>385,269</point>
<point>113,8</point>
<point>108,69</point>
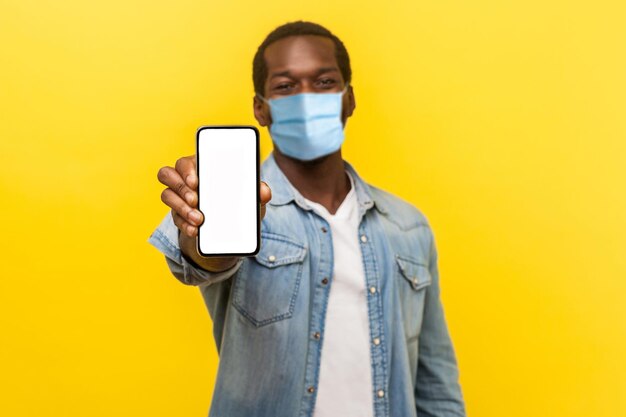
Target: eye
<point>326,82</point>
<point>283,87</point>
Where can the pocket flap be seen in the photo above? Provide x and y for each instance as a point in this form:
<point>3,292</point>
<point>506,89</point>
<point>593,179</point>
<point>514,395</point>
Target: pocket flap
<point>414,271</point>
<point>277,250</point>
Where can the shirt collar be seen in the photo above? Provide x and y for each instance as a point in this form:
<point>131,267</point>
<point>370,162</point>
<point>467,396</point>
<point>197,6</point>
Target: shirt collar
<point>283,192</point>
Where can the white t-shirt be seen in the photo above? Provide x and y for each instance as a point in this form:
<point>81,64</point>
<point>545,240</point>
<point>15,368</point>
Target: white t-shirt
<point>345,380</point>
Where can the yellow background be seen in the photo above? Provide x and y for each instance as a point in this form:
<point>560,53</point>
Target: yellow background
<point>504,122</point>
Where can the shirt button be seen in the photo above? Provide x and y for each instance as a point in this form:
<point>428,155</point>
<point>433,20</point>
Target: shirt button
<point>311,389</point>
<point>271,258</point>
<point>380,393</point>
<point>324,229</point>
<point>363,238</point>
<point>316,335</point>
<point>325,281</point>
<point>373,290</point>
<point>376,341</point>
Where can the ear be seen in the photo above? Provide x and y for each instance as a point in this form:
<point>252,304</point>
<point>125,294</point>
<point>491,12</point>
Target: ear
<point>349,104</point>
<point>261,111</point>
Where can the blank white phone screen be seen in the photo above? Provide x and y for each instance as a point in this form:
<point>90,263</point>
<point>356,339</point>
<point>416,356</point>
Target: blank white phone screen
<point>227,172</point>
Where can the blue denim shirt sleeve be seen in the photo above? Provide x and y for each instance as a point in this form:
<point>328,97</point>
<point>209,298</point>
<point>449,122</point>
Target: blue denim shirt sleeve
<point>165,239</point>
<point>437,389</point>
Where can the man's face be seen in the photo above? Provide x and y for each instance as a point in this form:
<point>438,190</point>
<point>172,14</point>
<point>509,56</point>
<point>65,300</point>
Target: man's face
<point>302,64</point>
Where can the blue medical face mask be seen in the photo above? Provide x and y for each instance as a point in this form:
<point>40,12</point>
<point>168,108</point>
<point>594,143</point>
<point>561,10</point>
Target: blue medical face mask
<point>307,126</point>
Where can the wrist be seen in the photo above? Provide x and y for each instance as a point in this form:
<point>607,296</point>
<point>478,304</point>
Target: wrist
<point>189,251</point>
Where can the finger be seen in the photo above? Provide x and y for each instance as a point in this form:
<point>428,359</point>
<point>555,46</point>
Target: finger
<point>184,226</point>
<point>186,167</point>
<point>266,193</point>
<point>173,200</point>
<point>170,177</point>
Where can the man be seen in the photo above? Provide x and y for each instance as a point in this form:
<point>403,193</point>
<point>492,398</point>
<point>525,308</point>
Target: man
<point>339,314</point>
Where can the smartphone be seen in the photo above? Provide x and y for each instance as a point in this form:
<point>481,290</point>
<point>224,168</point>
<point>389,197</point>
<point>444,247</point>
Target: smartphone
<point>228,190</point>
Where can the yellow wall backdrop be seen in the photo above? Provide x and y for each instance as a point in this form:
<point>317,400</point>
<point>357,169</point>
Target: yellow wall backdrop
<point>503,121</point>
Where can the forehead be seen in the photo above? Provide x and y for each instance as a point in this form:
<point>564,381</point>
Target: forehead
<point>299,53</point>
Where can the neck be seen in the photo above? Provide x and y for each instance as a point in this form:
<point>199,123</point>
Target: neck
<point>323,180</point>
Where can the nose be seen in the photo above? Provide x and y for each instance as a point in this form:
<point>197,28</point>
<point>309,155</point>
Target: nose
<point>307,87</point>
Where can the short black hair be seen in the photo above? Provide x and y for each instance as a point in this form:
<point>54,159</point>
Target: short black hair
<point>259,67</point>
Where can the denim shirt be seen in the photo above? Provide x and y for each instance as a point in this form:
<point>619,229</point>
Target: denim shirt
<point>268,310</point>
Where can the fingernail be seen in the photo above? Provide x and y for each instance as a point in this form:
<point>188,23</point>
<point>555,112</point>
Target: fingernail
<point>190,179</point>
<point>191,231</point>
<point>195,216</point>
<point>189,198</point>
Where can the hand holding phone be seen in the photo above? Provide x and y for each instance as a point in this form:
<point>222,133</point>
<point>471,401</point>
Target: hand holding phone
<point>181,196</point>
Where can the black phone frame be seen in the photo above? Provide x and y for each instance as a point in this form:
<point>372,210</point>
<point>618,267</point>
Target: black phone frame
<point>258,190</point>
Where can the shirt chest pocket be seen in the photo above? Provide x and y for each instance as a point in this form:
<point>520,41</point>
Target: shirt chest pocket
<point>413,278</point>
<point>266,285</point>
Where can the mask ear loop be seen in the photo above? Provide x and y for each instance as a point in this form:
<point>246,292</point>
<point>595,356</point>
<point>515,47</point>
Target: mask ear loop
<point>266,101</point>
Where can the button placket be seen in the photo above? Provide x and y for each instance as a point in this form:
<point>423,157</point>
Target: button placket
<point>321,280</point>
<point>373,277</point>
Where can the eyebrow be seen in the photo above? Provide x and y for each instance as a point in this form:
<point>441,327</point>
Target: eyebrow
<point>319,71</point>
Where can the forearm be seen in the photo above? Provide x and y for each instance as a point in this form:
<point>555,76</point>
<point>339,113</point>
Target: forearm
<point>212,264</point>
